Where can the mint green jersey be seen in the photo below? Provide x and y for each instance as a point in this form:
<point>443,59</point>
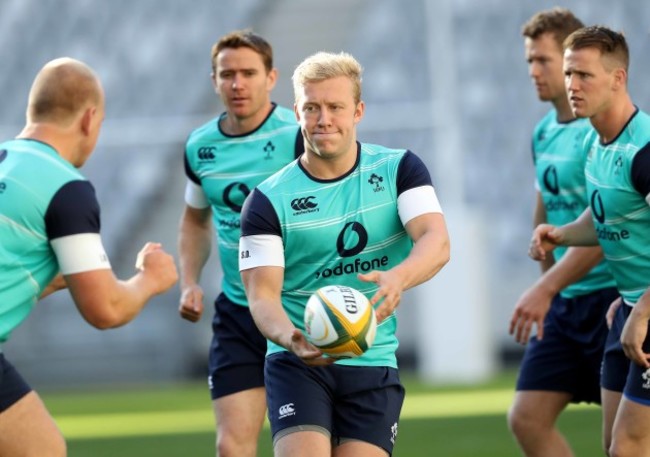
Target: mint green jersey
<point>42,198</point>
<point>228,167</point>
<point>617,186</point>
<point>559,155</point>
<point>332,230</point>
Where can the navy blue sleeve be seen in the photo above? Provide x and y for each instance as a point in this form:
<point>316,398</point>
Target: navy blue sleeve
<point>189,172</point>
<point>73,209</point>
<point>640,171</point>
<point>532,151</point>
<point>258,217</point>
<point>412,173</point>
<point>300,144</point>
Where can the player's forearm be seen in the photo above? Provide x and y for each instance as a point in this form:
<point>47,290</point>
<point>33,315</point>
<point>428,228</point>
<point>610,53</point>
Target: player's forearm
<point>573,266</point>
<point>131,296</point>
<point>107,302</point>
<point>642,307</point>
<point>546,264</point>
<point>194,246</point>
<point>580,232</point>
<point>57,283</point>
<point>264,291</point>
<point>539,217</point>
<point>427,257</point>
<point>272,321</point>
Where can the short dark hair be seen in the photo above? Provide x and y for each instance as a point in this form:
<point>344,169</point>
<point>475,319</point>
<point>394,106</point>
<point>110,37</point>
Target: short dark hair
<point>610,43</point>
<point>244,39</point>
<point>560,22</point>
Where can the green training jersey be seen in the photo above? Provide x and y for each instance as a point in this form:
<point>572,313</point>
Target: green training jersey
<point>559,156</point>
<point>332,230</point>
<point>43,199</point>
<point>228,167</point>
<point>618,177</point>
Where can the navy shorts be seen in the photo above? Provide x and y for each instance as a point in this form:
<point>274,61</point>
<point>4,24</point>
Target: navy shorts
<point>619,373</point>
<point>345,402</point>
<point>237,352</point>
<point>569,357</point>
<point>12,386</point>
<point>616,365</point>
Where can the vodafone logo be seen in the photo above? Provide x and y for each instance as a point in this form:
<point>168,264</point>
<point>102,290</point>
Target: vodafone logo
<point>234,195</point>
<point>551,180</point>
<point>597,207</point>
<point>361,239</point>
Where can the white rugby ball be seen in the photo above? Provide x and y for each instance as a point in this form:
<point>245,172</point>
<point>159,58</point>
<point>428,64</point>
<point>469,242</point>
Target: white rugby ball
<point>340,321</point>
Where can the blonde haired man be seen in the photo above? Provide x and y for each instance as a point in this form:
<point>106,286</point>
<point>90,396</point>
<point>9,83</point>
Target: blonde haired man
<point>368,205</point>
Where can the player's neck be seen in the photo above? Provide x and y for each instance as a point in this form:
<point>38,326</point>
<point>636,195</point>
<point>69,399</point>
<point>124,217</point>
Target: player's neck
<point>563,110</point>
<point>51,135</point>
<point>328,168</point>
<point>611,122</point>
<point>233,125</point>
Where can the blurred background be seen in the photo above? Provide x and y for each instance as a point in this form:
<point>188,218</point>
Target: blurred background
<point>446,79</point>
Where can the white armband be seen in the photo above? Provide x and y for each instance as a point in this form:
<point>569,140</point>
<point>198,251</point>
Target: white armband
<point>195,196</point>
<point>79,253</point>
<point>417,201</point>
<point>260,251</point>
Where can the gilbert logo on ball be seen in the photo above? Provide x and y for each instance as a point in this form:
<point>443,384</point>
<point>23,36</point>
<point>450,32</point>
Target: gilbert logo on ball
<point>340,321</point>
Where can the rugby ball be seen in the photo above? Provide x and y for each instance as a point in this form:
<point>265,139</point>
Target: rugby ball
<point>340,321</point>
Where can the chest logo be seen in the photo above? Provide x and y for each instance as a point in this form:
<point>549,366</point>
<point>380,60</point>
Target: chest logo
<point>234,195</point>
<point>352,239</point>
<point>376,181</point>
<point>206,153</point>
<point>597,207</point>
<point>618,165</point>
<point>269,148</point>
<point>551,181</point>
<point>303,203</point>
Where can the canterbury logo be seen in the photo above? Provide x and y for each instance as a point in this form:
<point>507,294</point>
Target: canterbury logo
<point>206,153</point>
<point>286,410</point>
<point>300,204</point>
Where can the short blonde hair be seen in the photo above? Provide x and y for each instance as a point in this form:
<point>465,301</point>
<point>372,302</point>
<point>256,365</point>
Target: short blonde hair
<point>61,90</point>
<point>327,65</point>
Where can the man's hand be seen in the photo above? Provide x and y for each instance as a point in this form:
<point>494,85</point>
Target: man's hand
<point>531,308</point>
<point>633,336</point>
<point>545,238</point>
<point>307,352</point>
<point>191,305</point>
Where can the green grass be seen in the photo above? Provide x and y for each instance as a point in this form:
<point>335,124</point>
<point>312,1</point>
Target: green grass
<point>170,421</point>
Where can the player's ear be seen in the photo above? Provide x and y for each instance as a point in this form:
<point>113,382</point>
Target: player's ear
<point>87,119</point>
<point>359,110</point>
<point>271,79</point>
<point>296,111</point>
<point>213,80</point>
<point>620,78</point>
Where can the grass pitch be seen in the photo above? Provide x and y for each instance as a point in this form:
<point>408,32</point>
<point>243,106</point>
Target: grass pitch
<point>176,421</point>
